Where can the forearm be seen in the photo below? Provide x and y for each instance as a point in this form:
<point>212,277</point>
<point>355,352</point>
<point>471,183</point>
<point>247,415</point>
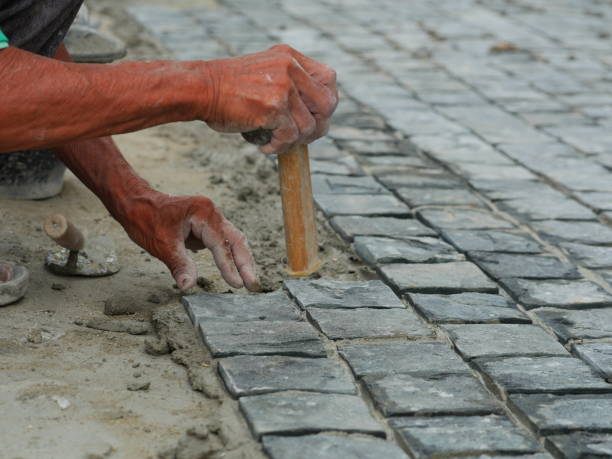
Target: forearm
<point>47,102</point>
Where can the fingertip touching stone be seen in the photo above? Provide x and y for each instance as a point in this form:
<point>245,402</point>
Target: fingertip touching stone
<point>327,293</point>
<point>582,324</point>
<point>402,358</point>
<point>503,340</point>
<point>452,277</point>
<point>499,265</point>
<point>369,323</point>
<point>251,375</point>
<point>417,197</point>
<point>462,218</point>
<point>326,446</point>
<point>467,308</point>
<point>302,413</point>
<point>430,395</point>
<point>378,250</point>
<point>239,308</point>
<point>351,226</point>
<point>581,445</point>
<point>366,205</point>
<point>598,356</point>
<point>554,414</point>
<point>566,294</point>
<point>264,337</point>
<point>447,436</point>
<point>492,241</point>
<point>559,375</point>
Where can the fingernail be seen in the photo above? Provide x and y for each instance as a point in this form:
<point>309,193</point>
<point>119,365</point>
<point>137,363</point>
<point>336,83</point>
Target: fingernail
<point>184,281</point>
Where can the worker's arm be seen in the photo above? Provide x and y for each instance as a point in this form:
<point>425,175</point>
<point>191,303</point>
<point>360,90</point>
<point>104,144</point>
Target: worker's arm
<point>165,226</point>
<point>47,103</point>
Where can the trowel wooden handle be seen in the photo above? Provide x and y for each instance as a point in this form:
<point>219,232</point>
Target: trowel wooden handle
<point>298,212</point>
<point>63,232</point>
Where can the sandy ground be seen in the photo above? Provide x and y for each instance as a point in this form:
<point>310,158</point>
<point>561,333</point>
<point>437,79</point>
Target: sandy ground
<point>64,386</point>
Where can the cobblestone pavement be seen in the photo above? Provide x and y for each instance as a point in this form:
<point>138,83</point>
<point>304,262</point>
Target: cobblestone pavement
<point>469,162</point>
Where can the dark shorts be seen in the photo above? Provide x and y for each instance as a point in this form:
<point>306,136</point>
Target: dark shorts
<point>38,26</point>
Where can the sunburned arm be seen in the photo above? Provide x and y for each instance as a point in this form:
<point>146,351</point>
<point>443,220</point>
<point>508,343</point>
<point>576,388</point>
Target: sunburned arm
<point>47,102</point>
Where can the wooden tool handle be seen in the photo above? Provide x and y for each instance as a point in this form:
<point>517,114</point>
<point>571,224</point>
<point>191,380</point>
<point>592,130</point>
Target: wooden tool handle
<point>64,233</point>
<point>298,212</point>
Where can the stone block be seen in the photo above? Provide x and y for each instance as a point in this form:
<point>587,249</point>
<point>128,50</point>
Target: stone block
<point>282,337</point>
<point>252,375</point>
<point>588,255</point>
<point>567,294</point>
<point>453,277</point>
<point>365,205</point>
<point>467,308</point>
<point>430,395</point>
<point>379,250</point>
<point>460,218</point>
<point>500,265</point>
<point>368,323</point>
<point>326,293</point>
<point>548,206</point>
<point>581,445</point>
<point>558,375</point>
<point>239,308</point>
<point>292,413</point>
<point>503,340</point>
<point>555,414</point>
<point>582,232</point>
<point>598,355</point>
<point>349,227</point>
<point>582,324</point>
<point>417,197</point>
<point>492,241</point>
<point>332,184</point>
<point>419,180</point>
<point>402,358</point>
<point>326,446</point>
<point>453,436</point>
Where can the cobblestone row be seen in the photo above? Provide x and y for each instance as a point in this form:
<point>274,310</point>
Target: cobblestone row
<point>470,152</point>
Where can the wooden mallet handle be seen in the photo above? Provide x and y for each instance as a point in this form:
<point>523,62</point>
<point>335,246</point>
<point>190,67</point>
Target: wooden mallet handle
<point>64,233</point>
<point>298,212</point>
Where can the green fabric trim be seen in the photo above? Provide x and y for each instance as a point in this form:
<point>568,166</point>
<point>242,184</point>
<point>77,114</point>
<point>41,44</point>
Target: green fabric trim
<point>4,42</point>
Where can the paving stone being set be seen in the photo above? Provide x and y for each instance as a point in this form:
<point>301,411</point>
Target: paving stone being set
<point>469,164</point>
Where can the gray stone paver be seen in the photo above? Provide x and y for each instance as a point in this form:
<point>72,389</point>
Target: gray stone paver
<point>598,355</point>
<point>457,435</point>
<point>501,340</point>
<point>525,125</point>
<point>570,294</point>
<point>379,359</point>
<point>467,308</point>
<point>369,323</point>
<point>326,293</point>
<point>452,277</point>
<point>376,250</point>
<point>582,324</point>
<point>351,226</point>
<point>325,446</point>
<point>435,395</point>
<point>561,375</point>
<point>252,375</point>
<point>502,265</point>
<point>581,445</point>
<point>291,413</point>
<point>553,414</point>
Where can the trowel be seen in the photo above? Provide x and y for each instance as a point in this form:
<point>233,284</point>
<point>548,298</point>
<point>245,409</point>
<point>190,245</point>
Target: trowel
<point>94,258</point>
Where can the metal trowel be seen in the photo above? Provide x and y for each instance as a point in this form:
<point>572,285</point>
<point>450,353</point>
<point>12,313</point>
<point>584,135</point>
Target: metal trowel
<point>75,257</point>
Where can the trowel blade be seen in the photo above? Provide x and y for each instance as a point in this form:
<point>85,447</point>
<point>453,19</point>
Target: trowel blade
<point>97,259</point>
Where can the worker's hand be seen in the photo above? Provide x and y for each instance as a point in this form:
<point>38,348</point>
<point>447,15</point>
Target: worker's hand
<point>166,226</point>
<point>278,89</point>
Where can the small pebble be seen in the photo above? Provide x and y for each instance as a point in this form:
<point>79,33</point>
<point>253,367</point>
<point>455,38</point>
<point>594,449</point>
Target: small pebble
<point>137,374</point>
<point>57,286</point>
<point>138,385</point>
<point>136,365</point>
<point>153,298</point>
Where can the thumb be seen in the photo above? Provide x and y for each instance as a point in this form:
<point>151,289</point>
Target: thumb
<point>182,267</point>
